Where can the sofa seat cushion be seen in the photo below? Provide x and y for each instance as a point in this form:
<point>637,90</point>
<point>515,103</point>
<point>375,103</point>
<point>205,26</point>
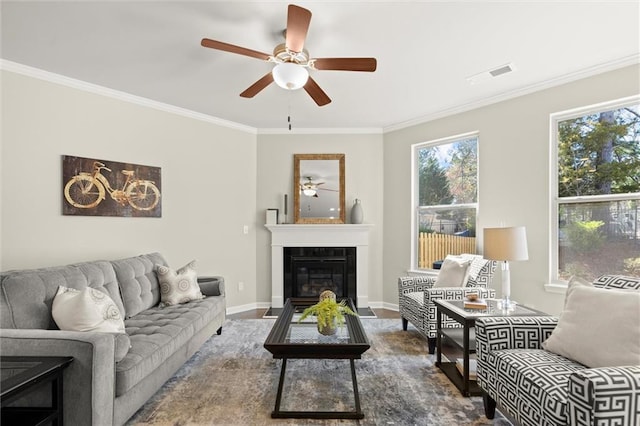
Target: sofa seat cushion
<point>157,333</point>
<point>533,383</point>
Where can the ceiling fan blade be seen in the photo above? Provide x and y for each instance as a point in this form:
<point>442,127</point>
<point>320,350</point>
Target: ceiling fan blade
<point>316,93</point>
<point>346,64</point>
<point>256,87</point>
<point>220,45</point>
<point>298,20</point>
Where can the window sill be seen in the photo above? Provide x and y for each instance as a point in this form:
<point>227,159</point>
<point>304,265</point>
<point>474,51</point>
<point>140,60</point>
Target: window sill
<point>555,288</point>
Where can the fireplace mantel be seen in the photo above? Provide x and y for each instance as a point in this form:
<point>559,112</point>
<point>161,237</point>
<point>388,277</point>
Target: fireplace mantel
<point>324,235</point>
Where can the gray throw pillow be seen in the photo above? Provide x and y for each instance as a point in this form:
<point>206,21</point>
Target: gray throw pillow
<point>178,286</point>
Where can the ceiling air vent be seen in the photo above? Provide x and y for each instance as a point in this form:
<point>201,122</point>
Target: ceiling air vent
<point>489,74</point>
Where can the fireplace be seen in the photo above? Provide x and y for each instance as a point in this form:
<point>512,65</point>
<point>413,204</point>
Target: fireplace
<point>308,271</point>
<point>286,236</point>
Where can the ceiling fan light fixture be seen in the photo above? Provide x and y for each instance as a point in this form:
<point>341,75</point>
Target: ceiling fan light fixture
<point>290,76</point>
<point>309,192</point>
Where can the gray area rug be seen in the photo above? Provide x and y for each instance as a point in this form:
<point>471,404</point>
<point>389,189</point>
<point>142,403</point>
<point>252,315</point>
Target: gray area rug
<point>233,380</point>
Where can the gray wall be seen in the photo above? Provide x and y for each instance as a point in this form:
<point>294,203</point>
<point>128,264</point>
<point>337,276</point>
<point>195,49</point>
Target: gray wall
<point>208,183</point>
<point>514,150</point>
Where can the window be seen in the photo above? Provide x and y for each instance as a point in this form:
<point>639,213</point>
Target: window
<point>445,199</point>
<point>596,199</point>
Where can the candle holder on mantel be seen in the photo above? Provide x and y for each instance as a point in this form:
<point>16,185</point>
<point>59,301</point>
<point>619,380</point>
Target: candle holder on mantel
<point>285,209</point>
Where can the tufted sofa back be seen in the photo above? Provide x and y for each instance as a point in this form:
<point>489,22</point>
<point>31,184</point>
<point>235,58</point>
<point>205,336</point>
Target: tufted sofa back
<point>26,296</point>
<point>138,282</point>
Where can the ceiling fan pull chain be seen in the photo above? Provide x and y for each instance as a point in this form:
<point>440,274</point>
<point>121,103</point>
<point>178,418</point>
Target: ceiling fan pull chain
<point>289,110</point>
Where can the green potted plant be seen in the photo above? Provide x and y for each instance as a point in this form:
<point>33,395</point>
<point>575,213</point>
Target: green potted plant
<point>329,313</point>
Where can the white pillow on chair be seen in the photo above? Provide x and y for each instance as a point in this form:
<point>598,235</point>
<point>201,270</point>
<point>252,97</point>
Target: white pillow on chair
<point>453,273</point>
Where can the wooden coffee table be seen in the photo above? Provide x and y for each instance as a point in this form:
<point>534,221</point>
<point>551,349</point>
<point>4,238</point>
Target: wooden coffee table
<point>290,339</point>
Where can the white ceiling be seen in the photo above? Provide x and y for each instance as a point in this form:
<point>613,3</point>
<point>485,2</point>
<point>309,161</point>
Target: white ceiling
<point>425,52</point>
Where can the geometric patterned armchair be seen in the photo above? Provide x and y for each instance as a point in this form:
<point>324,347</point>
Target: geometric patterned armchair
<point>538,387</point>
<point>416,296</point>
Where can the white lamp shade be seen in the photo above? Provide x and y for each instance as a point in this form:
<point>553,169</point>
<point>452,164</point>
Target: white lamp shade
<point>290,76</point>
<point>309,192</point>
<point>505,243</point>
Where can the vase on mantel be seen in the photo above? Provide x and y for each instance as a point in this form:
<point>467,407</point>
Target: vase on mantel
<point>356,212</point>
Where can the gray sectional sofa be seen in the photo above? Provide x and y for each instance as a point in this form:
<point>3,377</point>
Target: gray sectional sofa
<point>112,374</point>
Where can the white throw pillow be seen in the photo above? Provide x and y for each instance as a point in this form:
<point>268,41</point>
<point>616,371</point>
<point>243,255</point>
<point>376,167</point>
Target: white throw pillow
<point>179,286</point>
<point>453,272</point>
<point>86,310</point>
<point>598,327</point>
<point>573,283</point>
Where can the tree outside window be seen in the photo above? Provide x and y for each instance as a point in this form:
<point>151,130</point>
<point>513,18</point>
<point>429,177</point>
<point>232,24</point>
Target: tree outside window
<point>598,192</point>
<point>445,199</point>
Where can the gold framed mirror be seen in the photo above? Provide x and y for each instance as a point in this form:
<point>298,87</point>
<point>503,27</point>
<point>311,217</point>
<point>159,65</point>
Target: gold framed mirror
<point>318,193</point>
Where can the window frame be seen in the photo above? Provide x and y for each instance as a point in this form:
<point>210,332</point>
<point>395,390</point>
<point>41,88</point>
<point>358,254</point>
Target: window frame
<point>555,284</point>
<point>415,198</point>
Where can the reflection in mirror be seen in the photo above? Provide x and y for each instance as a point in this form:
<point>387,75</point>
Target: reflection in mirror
<point>318,193</point>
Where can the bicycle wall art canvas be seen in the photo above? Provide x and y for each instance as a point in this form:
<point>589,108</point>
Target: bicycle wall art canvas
<point>94,187</point>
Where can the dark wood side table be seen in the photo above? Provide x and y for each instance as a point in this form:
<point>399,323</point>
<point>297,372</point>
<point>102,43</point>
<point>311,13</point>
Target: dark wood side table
<point>464,338</point>
<point>21,375</point>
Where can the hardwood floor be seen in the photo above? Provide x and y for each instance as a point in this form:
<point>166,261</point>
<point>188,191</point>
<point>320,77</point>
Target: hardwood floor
<point>258,313</point>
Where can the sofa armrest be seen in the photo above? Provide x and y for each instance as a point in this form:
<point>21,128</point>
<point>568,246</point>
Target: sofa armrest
<point>89,386</point>
<point>211,286</point>
<point>606,395</point>
<point>518,332</point>
<point>412,284</point>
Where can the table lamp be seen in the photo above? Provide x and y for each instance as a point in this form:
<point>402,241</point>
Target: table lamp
<point>505,244</point>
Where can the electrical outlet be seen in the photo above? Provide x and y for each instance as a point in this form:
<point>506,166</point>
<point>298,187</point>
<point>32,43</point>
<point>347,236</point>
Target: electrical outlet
<point>240,286</point>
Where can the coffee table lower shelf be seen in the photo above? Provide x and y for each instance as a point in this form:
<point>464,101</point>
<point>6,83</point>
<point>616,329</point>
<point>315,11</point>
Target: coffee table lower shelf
<point>277,413</point>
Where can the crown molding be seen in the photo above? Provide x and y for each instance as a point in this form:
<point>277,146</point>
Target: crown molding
<point>138,100</point>
<point>322,131</point>
<point>116,94</point>
<point>547,84</point>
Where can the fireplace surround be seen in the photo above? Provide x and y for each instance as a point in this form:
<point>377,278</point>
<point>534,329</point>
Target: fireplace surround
<point>317,236</point>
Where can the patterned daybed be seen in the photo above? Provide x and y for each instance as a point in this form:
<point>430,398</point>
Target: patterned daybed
<point>519,366</point>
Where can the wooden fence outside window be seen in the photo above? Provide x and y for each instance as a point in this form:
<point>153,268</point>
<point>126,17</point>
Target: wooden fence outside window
<point>433,247</point>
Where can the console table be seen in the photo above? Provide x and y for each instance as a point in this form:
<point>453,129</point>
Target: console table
<point>21,375</point>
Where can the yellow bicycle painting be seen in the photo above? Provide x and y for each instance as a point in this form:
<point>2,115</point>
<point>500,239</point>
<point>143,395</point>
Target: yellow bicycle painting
<point>134,190</point>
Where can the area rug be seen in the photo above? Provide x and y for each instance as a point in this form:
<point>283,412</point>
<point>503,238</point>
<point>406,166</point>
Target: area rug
<point>233,380</point>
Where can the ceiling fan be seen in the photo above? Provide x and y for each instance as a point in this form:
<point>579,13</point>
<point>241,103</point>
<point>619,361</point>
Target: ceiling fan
<point>310,188</point>
<point>292,60</point>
